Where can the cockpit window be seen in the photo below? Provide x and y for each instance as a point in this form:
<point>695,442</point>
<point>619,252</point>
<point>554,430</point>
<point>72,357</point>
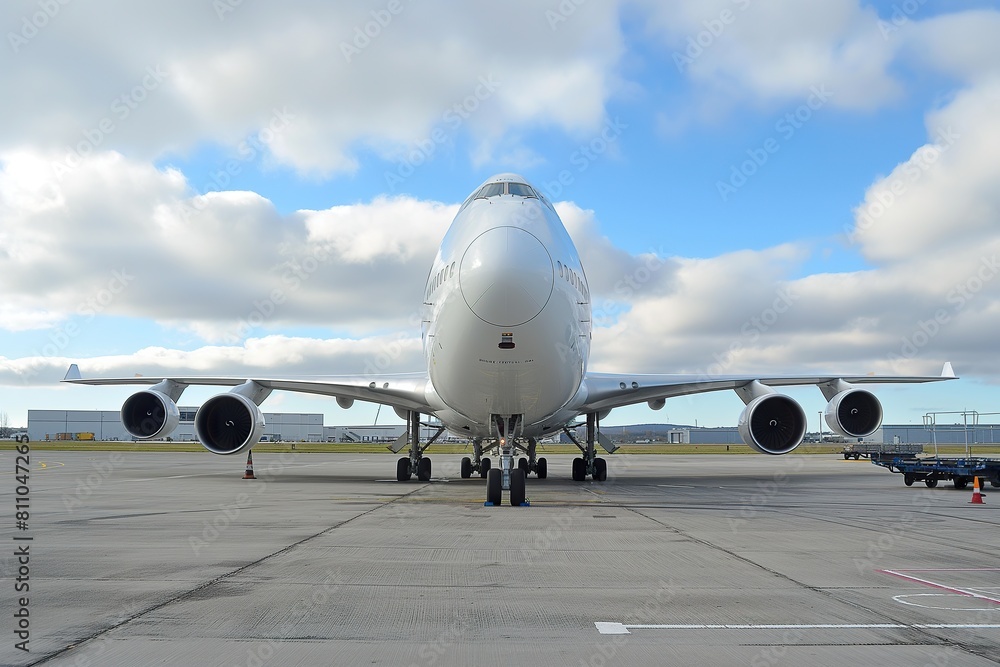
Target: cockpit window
<point>490,190</point>
<point>520,190</point>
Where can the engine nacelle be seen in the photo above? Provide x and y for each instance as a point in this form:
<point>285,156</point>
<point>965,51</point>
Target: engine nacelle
<point>150,414</point>
<point>228,423</point>
<point>854,413</point>
<point>773,424</point>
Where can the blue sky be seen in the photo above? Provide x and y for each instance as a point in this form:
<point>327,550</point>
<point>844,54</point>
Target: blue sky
<point>110,256</point>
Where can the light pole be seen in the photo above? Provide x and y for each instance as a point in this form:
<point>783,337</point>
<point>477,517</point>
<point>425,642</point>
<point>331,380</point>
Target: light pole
<point>821,427</point>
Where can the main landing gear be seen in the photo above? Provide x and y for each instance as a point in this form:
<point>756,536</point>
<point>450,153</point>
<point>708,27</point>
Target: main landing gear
<point>416,462</point>
<point>589,463</point>
<point>481,464</point>
<point>478,463</point>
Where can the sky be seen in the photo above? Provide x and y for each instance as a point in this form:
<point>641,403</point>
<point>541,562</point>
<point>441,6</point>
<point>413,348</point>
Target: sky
<point>246,188</point>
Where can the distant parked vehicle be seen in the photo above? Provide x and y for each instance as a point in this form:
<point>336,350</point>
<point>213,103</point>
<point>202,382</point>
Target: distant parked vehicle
<point>19,436</point>
<point>866,450</point>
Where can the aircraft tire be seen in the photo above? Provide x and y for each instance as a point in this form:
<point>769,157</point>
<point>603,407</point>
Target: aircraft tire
<point>403,469</point>
<point>600,470</point>
<point>424,470</point>
<point>494,486</point>
<point>484,466</point>
<point>542,469</point>
<point>517,491</point>
<point>466,468</point>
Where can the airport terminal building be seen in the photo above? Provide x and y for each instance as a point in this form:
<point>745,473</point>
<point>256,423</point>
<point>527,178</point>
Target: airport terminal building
<point>52,425</point>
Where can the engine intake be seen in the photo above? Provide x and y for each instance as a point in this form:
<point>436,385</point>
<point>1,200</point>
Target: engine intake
<point>854,413</point>
<point>773,424</point>
<point>150,414</point>
<point>228,423</point>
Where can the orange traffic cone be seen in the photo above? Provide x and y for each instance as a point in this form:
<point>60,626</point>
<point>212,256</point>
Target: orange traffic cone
<point>977,496</point>
<point>249,473</point>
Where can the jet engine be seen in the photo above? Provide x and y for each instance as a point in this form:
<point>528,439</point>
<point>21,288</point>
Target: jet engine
<point>773,424</point>
<point>228,423</point>
<point>150,414</point>
<point>854,413</point>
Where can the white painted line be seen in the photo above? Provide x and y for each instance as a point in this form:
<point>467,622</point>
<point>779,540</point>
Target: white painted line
<point>934,584</point>
<point>609,628</point>
<point>902,599</point>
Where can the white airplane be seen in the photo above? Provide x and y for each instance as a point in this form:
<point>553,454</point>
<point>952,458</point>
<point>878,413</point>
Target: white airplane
<point>506,337</point>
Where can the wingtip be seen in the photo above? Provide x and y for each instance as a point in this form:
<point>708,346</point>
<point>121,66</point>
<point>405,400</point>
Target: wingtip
<point>948,371</point>
<point>73,373</point>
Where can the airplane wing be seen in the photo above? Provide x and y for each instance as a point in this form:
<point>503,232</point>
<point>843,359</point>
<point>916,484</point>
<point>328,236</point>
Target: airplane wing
<point>613,390</point>
<point>407,391</point>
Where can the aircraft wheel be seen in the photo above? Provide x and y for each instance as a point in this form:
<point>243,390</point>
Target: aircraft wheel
<point>466,468</point>
<point>931,482</point>
<point>403,469</point>
<point>600,470</point>
<point>494,486</point>
<point>517,493</point>
<point>424,470</point>
<point>542,469</point>
<point>579,470</point>
<point>484,466</point>
<point>522,464</point>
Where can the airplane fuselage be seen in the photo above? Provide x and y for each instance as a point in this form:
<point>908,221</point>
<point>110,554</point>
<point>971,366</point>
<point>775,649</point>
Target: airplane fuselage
<point>506,314</point>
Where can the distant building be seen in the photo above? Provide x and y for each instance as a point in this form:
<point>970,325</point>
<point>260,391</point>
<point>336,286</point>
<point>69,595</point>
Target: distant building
<point>106,425</point>
<point>52,425</point>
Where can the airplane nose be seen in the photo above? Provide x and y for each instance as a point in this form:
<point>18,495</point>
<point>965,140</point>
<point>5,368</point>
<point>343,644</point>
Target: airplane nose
<point>506,276</point>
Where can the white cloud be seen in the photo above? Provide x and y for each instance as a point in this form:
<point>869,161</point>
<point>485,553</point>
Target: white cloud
<point>737,50</point>
<point>119,237</point>
<point>102,78</point>
<point>273,356</point>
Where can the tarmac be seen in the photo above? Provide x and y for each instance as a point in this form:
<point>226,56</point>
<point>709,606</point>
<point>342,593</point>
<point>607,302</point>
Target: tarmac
<point>324,559</point>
